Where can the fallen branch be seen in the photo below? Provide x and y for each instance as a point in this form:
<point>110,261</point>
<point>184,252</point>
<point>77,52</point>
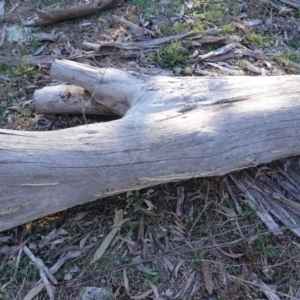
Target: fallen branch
<point>60,15</point>
<point>170,129</point>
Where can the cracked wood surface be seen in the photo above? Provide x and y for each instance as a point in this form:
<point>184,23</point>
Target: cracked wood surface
<point>171,129</point>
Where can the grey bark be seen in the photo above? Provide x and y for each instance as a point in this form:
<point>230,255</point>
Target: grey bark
<point>171,129</point>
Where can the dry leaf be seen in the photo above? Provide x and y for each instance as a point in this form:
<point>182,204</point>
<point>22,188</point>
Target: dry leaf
<point>141,267</point>
<point>232,255</point>
<point>269,293</point>
<point>149,204</point>
<point>262,171</point>
<point>147,212</point>
<point>110,236</point>
<point>155,290</point>
<point>34,291</point>
<point>188,284</point>
<point>208,277</point>
<point>126,282</point>
<point>119,215</point>
<point>181,262</point>
<point>143,296</point>
<point>83,240</point>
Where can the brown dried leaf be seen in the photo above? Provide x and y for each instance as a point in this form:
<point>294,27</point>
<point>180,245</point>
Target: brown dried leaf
<point>141,267</point>
<point>232,255</point>
<point>119,215</point>
<point>181,262</point>
<point>208,277</point>
<point>227,212</point>
<point>143,296</point>
<point>262,171</point>
<point>34,291</point>
<point>188,284</point>
<point>110,236</point>
<point>147,212</point>
<point>150,205</point>
<point>127,240</point>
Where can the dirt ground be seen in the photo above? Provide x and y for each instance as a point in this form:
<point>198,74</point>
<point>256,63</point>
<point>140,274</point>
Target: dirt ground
<point>194,239</point>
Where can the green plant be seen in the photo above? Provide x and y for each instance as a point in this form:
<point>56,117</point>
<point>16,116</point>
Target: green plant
<point>151,11</point>
<point>260,40</point>
<point>142,3</point>
<point>214,15</point>
<point>227,28</point>
<point>242,63</point>
<point>294,43</point>
<point>179,27</point>
<point>249,210</point>
<point>263,246</point>
<point>234,8</point>
<point>199,26</point>
<point>24,73</point>
<point>31,47</point>
<point>166,29</point>
<point>134,199</point>
<point>289,55</point>
<point>173,54</point>
<point>102,263</point>
<point>28,269</point>
<point>225,237</point>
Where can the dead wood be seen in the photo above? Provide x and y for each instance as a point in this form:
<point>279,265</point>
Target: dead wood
<point>171,129</point>
<point>67,99</point>
<point>281,9</point>
<point>292,3</point>
<point>60,15</point>
<point>134,28</point>
<point>134,49</point>
<point>43,60</point>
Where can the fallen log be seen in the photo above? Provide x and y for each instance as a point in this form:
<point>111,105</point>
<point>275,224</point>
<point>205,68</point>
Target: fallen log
<point>170,129</point>
<point>70,13</point>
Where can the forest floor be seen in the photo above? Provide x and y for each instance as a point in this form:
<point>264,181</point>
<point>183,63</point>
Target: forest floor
<point>194,239</point>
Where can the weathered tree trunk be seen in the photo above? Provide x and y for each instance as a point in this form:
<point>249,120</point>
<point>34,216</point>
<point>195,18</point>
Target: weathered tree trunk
<point>171,128</point>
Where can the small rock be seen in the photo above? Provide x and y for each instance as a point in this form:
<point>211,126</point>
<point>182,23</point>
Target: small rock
<point>169,293</point>
<point>94,239</point>
<point>16,34</point>
<point>68,276</point>
<point>177,70</point>
<point>268,22</point>
<point>74,269</point>
<point>63,232</point>
<point>32,246</point>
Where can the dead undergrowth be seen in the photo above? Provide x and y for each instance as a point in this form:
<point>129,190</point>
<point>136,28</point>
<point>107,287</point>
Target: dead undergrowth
<point>196,239</point>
